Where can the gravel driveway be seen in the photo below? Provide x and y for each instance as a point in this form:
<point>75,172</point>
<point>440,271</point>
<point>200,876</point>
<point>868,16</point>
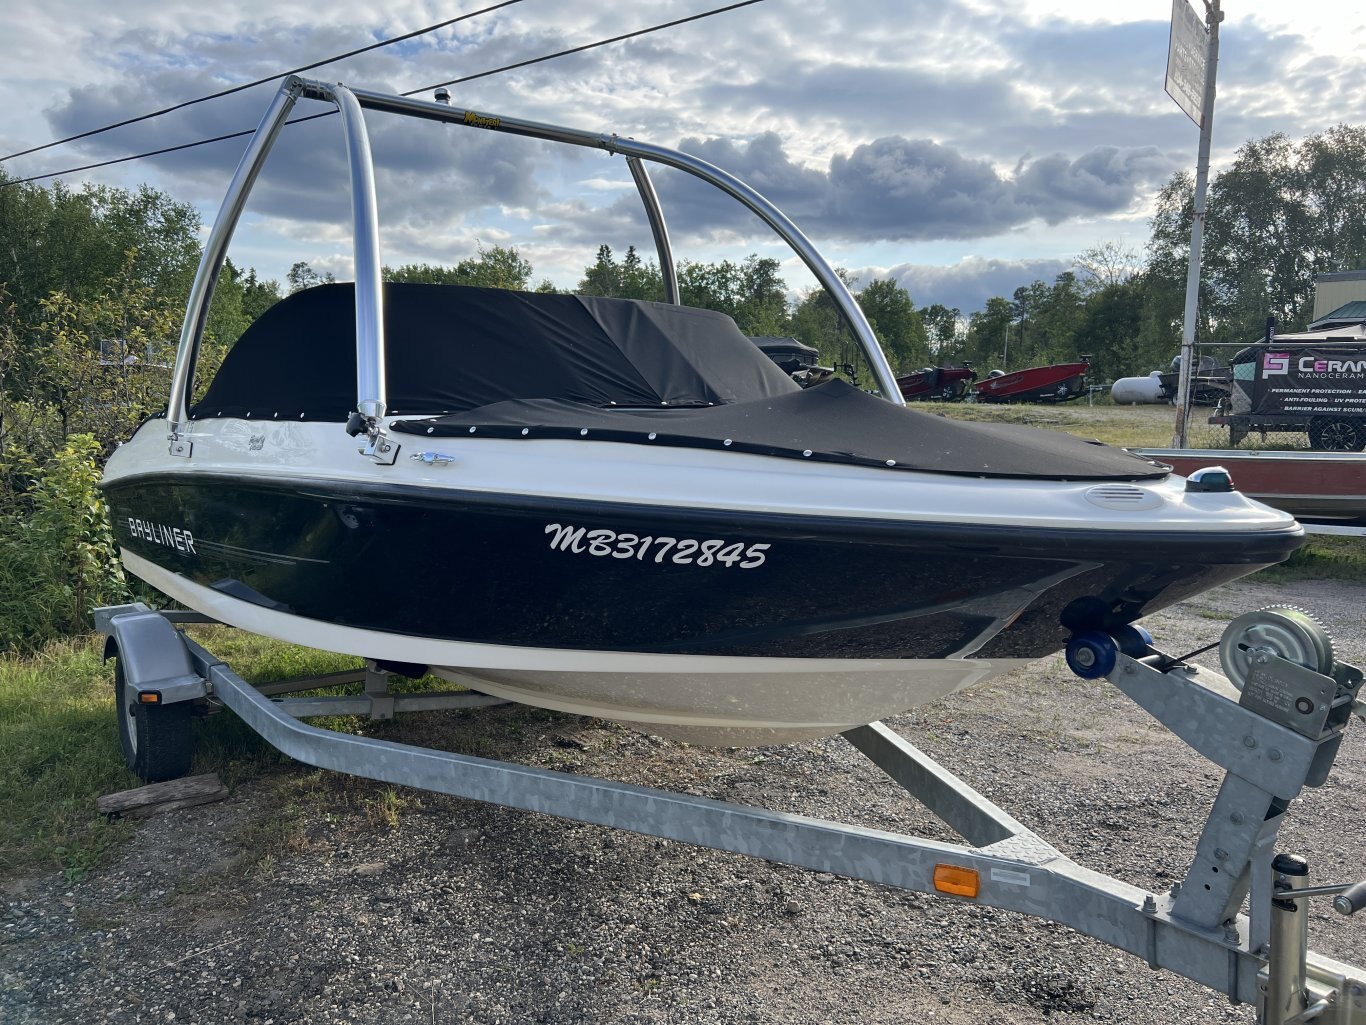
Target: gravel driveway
<point>311,897</point>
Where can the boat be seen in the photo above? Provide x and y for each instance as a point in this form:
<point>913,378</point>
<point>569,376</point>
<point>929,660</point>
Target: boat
<point>799,361</point>
<point>1057,382</point>
<point>625,509</point>
<point>1210,384</point>
<point>1308,485</point>
<point>937,384</point>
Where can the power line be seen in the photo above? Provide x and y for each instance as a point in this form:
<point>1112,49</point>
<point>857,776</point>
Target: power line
<point>587,46</point>
<point>411,92</point>
<point>156,152</point>
<point>259,81</point>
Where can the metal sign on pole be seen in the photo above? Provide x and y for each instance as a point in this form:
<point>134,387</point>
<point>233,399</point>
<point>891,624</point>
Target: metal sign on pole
<point>1186,53</point>
<point>1193,48</point>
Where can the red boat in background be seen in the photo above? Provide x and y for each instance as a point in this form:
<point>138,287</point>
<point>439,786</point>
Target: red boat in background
<point>937,384</point>
<point>1057,382</point>
<point>1308,485</point>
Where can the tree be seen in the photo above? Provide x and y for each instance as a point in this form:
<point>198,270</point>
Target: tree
<point>1056,320</point>
<point>1111,331</point>
<point>942,330</point>
<point>1280,214</point>
<point>103,364</point>
<point>258,295</point>
<point>603,277</point>
<point>631,279</point>
<point>752,292</point>
<point>818,322</point>
<point>1108,263</point>
<point>302,276</point>
<point>639,280</point>
<point>58,240</point>
<point>238,299</point>
<point>710,286</point>
<point>1334,168</point>
<point>1259,255</point>
<point>495,267</point>
<point>988,333</point>
<point>896,323</point>
<point>762,308</point>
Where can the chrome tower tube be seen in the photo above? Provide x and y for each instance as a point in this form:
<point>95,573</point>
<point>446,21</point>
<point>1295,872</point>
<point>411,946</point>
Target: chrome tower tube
<point>211,262</point>
<point>370,369</point>
<point>793,236</point>
<point>371,394</point>
<point>726,182</point>
<point>658,228</point>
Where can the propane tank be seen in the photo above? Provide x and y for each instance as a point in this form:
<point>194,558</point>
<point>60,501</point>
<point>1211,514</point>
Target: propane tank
<point>1129,390</point>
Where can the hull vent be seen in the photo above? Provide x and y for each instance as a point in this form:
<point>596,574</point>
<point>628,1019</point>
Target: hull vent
<point>1122,497</point>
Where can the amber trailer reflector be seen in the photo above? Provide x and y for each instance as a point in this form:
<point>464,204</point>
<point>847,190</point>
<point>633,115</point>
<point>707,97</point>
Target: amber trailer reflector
<point>962,882</point>
<point>150,697</point>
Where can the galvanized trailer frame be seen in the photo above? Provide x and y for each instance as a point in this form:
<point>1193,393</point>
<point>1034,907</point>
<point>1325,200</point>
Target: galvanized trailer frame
<point>1269,747</point>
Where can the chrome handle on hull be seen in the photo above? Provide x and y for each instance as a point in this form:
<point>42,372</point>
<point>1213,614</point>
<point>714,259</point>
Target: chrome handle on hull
<point>433,458</point>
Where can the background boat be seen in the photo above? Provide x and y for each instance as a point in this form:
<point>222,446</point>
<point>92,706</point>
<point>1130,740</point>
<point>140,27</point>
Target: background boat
<point>1309,485</point>
<point>1056,382</point>
<point>937,384</point>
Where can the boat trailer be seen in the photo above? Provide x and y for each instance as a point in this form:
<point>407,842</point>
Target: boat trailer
<point>1237,923</point>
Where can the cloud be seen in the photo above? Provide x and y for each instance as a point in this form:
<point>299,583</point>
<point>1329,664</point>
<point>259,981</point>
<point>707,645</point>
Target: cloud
<point>1104,181</point>
<point>903,190</point>
<point>967,285</point>
<point>866,121</point>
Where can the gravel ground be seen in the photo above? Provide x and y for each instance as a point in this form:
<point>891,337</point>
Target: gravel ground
<point>311,897</point>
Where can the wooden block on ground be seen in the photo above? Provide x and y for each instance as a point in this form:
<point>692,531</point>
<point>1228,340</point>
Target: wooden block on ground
<point>142,802</point>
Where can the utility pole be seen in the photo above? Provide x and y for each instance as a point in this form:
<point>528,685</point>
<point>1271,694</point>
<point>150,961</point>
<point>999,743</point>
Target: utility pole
<point>1213,16</point>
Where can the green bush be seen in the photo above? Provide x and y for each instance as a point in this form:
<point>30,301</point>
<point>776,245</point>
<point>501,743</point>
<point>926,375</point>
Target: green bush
<point>57,553</point>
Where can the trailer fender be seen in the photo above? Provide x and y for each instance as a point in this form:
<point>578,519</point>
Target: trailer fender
<point>154,657</point>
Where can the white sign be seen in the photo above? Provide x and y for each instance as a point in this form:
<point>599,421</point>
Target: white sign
<point>1186,60</point>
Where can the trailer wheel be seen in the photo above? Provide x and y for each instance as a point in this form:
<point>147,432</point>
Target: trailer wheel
<point>157,740</point>
<point>1335,434</point>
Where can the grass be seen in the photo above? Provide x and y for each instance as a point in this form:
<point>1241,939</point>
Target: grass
<point>59,749</point>
<point>1323,557</point>
<point>1122,426</point>
<point>1140,426</point>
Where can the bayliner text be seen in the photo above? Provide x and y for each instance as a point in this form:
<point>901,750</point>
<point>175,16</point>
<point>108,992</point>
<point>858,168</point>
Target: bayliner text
<point>157,533</point>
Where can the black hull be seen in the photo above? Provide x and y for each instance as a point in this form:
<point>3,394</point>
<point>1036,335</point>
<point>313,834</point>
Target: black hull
<point>429,562</point>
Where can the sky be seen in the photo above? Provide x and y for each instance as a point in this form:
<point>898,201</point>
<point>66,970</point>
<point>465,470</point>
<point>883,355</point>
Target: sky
<point>960,147</point>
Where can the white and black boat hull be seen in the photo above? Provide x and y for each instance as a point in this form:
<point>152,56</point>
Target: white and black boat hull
<point>613,589</point>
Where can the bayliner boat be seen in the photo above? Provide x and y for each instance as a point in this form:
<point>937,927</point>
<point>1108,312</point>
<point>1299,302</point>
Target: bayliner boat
<point>1056,382</point>
<point>625,509</point>
<point>937,384</point>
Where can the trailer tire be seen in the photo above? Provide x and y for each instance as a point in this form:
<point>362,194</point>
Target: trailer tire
<point>157,740</point>
<point>1336,434</point>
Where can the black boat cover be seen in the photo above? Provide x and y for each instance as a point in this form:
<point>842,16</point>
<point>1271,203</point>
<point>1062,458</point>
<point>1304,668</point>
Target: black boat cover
<point>451,348</point>
<point>832,422</point>
<point>498,363</point>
